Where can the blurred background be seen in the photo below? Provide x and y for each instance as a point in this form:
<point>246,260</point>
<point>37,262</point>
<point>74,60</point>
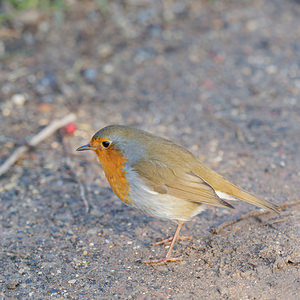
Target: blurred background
<point>222,78</point>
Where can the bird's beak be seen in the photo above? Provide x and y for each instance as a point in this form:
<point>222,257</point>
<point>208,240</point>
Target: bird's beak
<point>86,147</point>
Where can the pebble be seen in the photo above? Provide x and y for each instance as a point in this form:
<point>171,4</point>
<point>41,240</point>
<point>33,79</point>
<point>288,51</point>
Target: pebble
<point>6,112</point>
<point>90,74</point>
<point>246,274</point>
<point>271,69</point>
<point>105,51</point>
<point>143,54</point>
<point>48,80</point>
<point>72,281</point>
<point>13,285</point>
<point>19,99</point>
<point>108,69</point>
<point>252,25</point>
<point>2,49</point>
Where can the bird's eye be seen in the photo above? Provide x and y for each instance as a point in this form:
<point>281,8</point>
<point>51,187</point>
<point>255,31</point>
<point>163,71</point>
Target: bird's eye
<point>105,144</point>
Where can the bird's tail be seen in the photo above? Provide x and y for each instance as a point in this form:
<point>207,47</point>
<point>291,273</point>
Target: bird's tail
<point>228,191</point>
<point>240,194</point>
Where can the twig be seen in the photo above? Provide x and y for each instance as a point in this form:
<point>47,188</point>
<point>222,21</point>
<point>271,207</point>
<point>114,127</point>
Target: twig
<point>72,167</point>
<point>15,253</point>
<point>238,131</point>
<point>255,213</point>
<point>35,140</point>
<point>82,189</point>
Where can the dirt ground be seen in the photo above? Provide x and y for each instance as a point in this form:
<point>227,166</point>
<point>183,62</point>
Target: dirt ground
<point>222,78</point>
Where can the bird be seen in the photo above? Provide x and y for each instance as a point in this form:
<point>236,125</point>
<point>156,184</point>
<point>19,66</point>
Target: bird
<point>162,179</point>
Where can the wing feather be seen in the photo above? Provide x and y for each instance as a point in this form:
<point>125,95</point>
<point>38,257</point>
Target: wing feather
<point>180,183</point>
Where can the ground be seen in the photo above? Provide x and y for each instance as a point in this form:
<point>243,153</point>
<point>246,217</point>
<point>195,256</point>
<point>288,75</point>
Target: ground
<point>222,78</point>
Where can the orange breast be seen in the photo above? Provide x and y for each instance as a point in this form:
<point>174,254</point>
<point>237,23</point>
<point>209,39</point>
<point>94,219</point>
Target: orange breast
<point>113,162</point>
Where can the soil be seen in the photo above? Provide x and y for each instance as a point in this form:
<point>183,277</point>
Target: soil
<point>222,78</point>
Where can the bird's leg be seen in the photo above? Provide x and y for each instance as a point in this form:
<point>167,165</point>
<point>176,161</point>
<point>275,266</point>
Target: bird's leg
<point>169,240</point>
<point>168,256</point>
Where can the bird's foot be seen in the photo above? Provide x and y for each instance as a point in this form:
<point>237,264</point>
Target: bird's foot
<point>160,262</point>
<point>169,240</point>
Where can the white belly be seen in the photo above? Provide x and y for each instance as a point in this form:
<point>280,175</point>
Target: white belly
<point>162,206</point>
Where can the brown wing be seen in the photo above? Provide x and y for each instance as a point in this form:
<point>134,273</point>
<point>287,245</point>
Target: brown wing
<point>178,183</point>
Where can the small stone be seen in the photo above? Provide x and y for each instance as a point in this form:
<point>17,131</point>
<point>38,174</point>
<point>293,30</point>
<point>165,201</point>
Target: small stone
<point>252,25</point>
<point>92,231</point>
<point>280,263</point>
<point>90,74</point>
<point>108,69</point>
<point>72,281</point>
<point>45,107</point>
<point>6,112</point>
<point>271,69</point>
<point>19,99</point>
<point>143,54</point>
<point>105,51</point>
<point>2,49</point>
<point>13,285</point>
<point>222,290</point>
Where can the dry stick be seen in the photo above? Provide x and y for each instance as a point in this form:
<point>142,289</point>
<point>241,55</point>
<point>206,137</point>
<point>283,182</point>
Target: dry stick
<point>72,167</point>
<point>82,187</point>
<point>238,132</point>
<point>35,140</point>
<point>255,213</point>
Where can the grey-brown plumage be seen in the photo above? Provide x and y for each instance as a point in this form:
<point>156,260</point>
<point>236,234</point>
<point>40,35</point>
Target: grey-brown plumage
<point>170,168</point>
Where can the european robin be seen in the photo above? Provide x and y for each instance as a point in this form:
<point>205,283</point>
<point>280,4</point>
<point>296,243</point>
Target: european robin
<point>162,179</point>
